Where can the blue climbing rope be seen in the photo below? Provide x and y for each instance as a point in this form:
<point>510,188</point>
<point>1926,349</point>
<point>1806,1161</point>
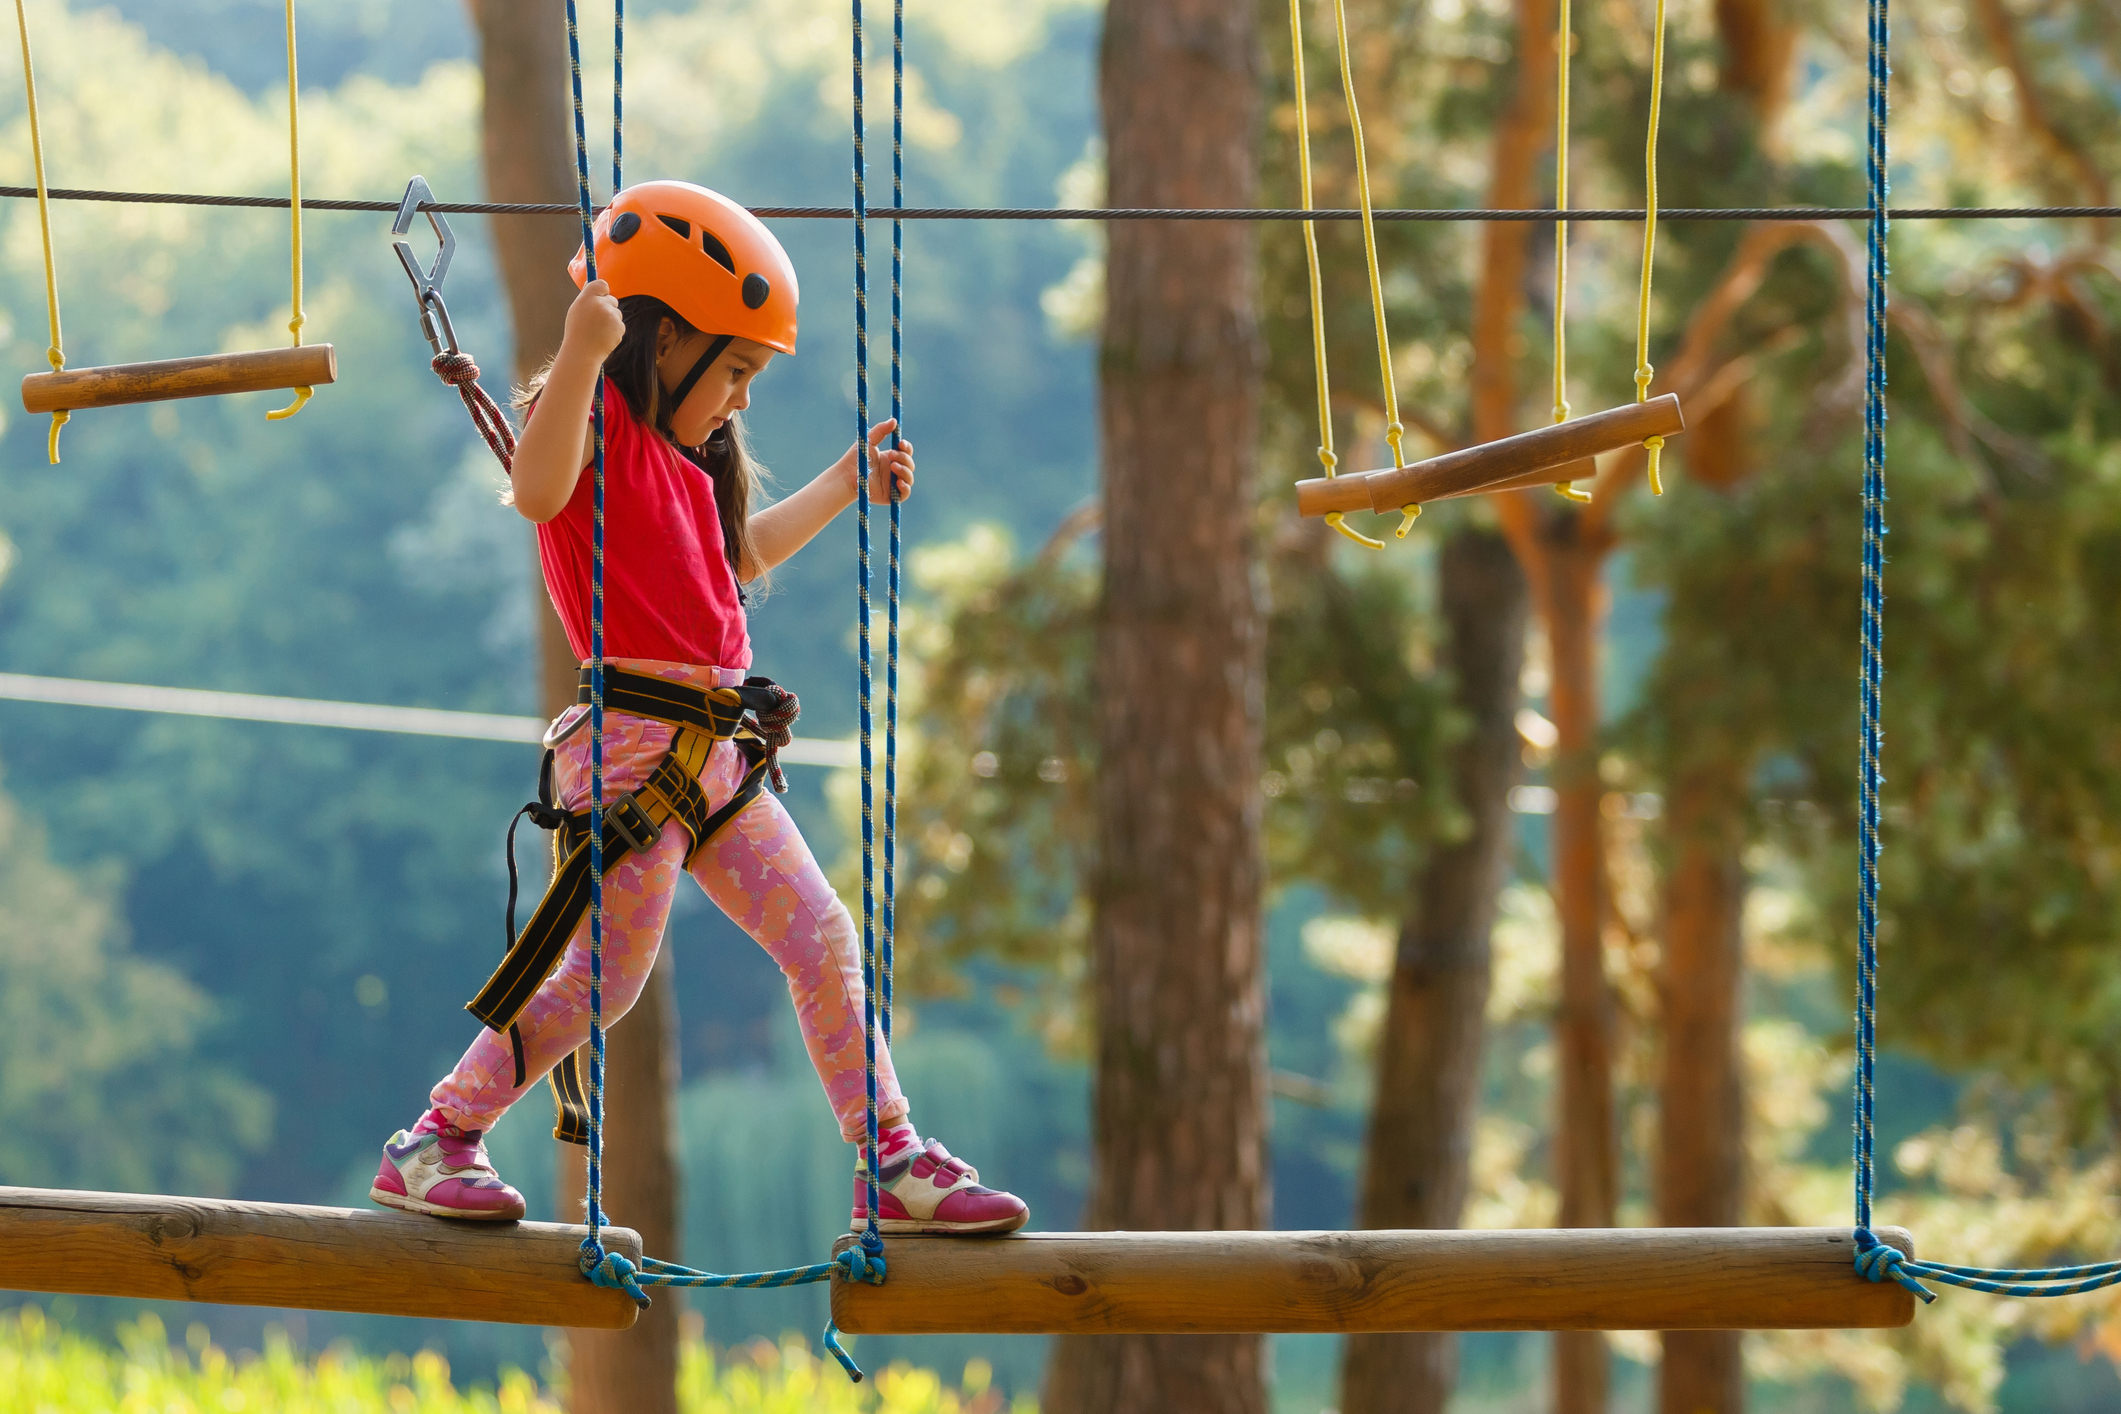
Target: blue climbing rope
<point>594,1256</point>
<point>602,1266</point>
<point>898,418</point>
<point>1875,1259</point>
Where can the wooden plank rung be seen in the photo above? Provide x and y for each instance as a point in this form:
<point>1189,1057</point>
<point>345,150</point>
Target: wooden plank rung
<point>258,371</point>
<point>1508,464</point>
<point>1114,1283</point>
<point>317,1259</point>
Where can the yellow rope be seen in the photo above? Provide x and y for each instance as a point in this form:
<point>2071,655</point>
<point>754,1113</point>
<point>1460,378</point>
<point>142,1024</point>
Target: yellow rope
<point>1562,42</point>
<point>1326,457</point>
<point>56,352</point>
<point>294,182</point>
<point>1394,432</point>
<point>1643,371</point>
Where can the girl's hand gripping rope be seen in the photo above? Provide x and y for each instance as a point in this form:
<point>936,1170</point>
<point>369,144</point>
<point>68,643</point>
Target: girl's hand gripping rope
<point>890,468</point>
<point>594,323</point>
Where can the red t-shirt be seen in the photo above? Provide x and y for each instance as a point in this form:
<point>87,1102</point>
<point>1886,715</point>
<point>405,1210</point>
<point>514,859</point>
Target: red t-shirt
<point>669,593</point>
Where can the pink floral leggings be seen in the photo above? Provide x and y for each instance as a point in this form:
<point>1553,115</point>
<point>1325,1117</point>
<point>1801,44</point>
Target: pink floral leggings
<point>757,870</point>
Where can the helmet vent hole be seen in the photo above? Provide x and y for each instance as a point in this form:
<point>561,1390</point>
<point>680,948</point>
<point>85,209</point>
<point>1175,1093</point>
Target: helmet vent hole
<point>678,224</point>
<point>756,289</point>
<point>720,253</point>
<point>624,228</point>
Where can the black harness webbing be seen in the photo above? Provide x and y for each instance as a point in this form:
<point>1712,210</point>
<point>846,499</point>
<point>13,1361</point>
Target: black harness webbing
<point>633,821</point>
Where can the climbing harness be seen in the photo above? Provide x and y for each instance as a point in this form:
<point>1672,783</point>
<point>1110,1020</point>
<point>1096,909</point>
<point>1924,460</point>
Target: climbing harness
<point>758,716</point>
<point>450,363</point>
<point>61,392</point>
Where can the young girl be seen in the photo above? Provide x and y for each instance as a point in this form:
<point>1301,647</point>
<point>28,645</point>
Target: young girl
<point>695,298</point>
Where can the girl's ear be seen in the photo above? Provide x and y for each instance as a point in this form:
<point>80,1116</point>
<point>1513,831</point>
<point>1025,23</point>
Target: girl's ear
<point>666,337</point>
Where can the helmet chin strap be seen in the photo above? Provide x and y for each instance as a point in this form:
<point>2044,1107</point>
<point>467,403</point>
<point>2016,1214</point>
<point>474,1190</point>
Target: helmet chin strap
<point>699,371</point>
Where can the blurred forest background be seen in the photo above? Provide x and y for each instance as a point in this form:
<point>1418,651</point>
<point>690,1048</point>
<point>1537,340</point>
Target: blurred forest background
<point>232,956</point>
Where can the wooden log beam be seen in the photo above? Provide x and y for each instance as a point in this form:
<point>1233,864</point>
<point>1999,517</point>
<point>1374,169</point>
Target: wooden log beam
<point>1513,462</point>
<point>317,1259</point>
<point>1112,1283</point>
<point>308,366</point>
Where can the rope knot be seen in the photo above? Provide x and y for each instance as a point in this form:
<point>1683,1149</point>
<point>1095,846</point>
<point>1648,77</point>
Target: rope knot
<point>859,1264</point>
<point>1655,447</point>
<point>1327,459</point>
<point>456,369</point>
<point>613,1270</point>
<point>1878,1261</point>
<point>774,725</point>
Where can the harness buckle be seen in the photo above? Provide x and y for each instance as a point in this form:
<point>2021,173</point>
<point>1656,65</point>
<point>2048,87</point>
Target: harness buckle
<point>631,823</point>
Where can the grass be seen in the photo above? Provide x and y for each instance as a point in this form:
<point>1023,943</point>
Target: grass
<point>45,1369</point>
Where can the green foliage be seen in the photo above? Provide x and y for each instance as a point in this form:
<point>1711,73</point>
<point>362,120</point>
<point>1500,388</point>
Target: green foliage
<point>97,1085</point>
<point>999,805</point>
<point>1357,719</point>
<point>47,1370</point>
<point>999,800</point>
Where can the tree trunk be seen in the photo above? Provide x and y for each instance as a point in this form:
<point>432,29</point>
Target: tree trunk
<point>1701,1142</point>
<point>1428,1060</point>
<point>634,1371</point>
<point>1586,1138</point>
<point>1522,131</point>
<point>529,156</point>
<point>1179,1113</point>
<point>529,153</point>
<point>1759,37</point>
<point>1561,561</point>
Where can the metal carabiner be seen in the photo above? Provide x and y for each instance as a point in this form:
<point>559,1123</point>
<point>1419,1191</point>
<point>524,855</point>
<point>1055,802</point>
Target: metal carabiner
<point>427,284</point>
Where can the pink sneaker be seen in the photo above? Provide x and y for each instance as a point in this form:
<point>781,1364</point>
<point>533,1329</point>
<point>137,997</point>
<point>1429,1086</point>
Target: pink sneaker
<point>442,1171</point>
<point>929,1191</point>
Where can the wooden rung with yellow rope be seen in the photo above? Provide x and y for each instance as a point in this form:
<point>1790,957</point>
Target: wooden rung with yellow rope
<point>64,391</point>
<point>1221,1283</point>
<point>1528,459</point>
<point>315,1259</point>
<point>256,371</point>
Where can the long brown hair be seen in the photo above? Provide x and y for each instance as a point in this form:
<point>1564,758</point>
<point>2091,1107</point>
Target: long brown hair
<point>725,456</point>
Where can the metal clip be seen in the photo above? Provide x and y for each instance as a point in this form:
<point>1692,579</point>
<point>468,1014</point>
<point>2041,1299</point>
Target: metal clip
<point>427,284</point>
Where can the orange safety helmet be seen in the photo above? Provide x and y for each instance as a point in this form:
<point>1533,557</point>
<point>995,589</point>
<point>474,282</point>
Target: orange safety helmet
<point>700,253</point>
